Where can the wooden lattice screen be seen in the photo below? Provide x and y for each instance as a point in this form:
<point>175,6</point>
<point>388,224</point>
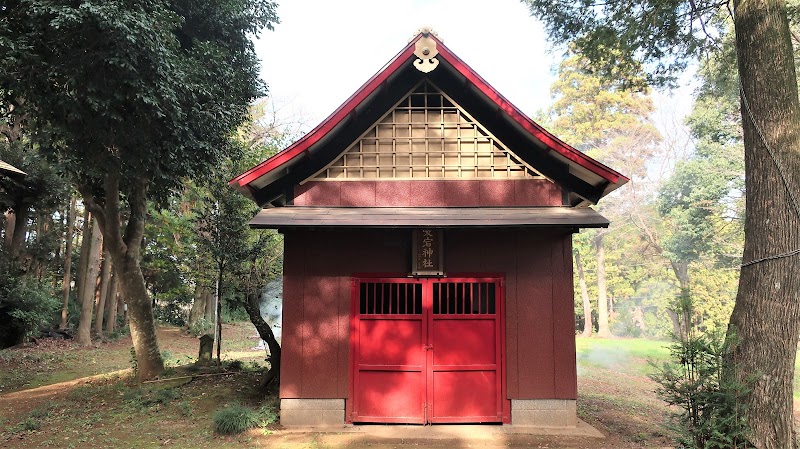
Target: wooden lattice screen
<point>426,135</point>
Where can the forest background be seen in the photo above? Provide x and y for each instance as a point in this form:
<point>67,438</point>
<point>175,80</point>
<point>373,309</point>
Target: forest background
<point>677,232</point>
<point>677,225</point>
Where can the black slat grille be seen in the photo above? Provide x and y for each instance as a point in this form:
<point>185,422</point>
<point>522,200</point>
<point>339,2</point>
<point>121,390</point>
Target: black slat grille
<point>388,298</point>
<point>464,298</point>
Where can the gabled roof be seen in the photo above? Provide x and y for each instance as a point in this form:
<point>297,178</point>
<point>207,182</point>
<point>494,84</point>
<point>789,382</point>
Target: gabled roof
<point>10,170</point>
<point>586,179</point>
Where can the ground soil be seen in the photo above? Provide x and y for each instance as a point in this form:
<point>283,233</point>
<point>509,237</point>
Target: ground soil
<point>59,395</point>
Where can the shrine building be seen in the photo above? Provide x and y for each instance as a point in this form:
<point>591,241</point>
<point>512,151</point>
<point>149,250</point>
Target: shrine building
<point>427,273</point>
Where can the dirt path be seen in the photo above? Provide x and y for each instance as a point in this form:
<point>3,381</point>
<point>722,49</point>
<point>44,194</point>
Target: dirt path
<point>92,410</point>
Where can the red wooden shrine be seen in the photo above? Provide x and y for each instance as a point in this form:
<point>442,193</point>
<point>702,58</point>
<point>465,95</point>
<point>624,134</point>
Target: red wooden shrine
<point>427,262</point>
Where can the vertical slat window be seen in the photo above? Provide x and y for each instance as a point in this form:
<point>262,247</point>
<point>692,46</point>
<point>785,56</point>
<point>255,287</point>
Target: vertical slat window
<point>389,298</point>
<point>464,298</point>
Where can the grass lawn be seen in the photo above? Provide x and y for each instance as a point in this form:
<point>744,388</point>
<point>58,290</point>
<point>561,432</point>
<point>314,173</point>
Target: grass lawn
<point>59,395</point>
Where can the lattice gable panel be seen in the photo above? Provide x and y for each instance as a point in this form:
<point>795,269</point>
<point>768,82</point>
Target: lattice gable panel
<point>426,136</point>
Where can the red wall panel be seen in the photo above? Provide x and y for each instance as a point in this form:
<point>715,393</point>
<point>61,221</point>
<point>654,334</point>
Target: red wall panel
<point>564,320</point>
<point>292,337</point>
<point>535,316</point>
<point>540,345</point>
<point>387,194</point>
<point>432,193</point>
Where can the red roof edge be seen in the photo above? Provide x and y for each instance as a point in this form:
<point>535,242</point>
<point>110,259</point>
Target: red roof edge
<point>330,122</point>
<point>240,182</point>
<point>526,122</point>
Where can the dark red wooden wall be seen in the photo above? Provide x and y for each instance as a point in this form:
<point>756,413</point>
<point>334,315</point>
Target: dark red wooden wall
<point>486,192</point>
<point>537,264</point>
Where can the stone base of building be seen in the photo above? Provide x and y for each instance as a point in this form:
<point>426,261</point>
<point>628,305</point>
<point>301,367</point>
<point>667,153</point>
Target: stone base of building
<point>312,412</point>
<point>544,413</point>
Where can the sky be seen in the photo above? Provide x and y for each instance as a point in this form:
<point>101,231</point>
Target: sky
<point>323,51</point>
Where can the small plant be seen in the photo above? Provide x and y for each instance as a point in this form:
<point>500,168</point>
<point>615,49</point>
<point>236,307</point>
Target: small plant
<point>267,415</point>
<point>186,409</point>
<point>115,335</point>
<point>139,399</point>
<point>232,365</point>
<point>200,327</point>
<point>40,413</point>
<point>30,424</point>
<point>711,415</point>
<point>235,419</point>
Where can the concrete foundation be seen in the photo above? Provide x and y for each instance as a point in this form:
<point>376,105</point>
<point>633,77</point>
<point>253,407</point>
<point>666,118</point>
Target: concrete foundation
<point>547,413</point>
<point>312,412</point>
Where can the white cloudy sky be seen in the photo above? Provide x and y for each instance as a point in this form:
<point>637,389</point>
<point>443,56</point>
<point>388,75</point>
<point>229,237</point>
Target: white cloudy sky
<point>322,51</point>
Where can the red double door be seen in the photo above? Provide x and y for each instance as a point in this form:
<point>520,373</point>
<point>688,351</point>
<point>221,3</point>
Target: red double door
<point>427,350</point>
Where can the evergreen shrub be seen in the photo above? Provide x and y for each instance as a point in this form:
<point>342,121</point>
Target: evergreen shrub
<point>694,380</point>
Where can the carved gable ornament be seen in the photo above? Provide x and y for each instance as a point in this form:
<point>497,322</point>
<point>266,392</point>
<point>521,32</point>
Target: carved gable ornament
<point>425,50</point>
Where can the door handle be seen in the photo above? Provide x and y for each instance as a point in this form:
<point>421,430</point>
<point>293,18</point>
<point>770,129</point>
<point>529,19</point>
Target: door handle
<point>427,347</point>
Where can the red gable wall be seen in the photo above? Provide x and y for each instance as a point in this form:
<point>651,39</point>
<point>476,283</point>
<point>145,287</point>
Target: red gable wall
<point>429,193</point>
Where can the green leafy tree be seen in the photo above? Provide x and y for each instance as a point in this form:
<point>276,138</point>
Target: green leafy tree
<point>133,97</point>
<point>26,303</point>
<point>649,41</point>
<point>243,259</point>
<point>611,124</point>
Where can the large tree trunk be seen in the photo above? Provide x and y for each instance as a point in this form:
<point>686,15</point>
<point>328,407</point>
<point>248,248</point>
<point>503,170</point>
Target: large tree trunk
<point>9,223</point>
<point>105,275</point>
<point>266,334</point>
<point>211,307</point>
<point>587,306</point>
<point>83,336</point>
<point>21,212</point>
<point>602,300</point>
<point>765,324</point>
<point>198,309</point>
<point>140,313</point>
<point>125,247</point>
<point>68,262</point>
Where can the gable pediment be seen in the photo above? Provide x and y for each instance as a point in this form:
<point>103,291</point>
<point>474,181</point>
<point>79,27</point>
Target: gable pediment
<point>426,135</point>
<point>387,130</point>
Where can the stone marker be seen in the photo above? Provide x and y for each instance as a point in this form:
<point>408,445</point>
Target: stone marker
<point>206,350</point>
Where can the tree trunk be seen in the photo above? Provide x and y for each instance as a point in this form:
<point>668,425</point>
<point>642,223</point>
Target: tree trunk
<point>86,240</point>
<point>109,299</point>
<point>125,247</point>
<point>265,332</point>
<point>68,262</point>
<point>211,307</point>
<point>122,308</point>
<point>218,323</point>
<point>83,336</point>
<point>198,309</point>
<point>105,275</point>
<point>602,300</point>
<point>8,228</point>
<point>681,315</point>
<point>111,315</point>
<point>21,211</point>
<point>765,324</point>
<point>587,306</point>
<point>140,313</point>
<point>39,265</point>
